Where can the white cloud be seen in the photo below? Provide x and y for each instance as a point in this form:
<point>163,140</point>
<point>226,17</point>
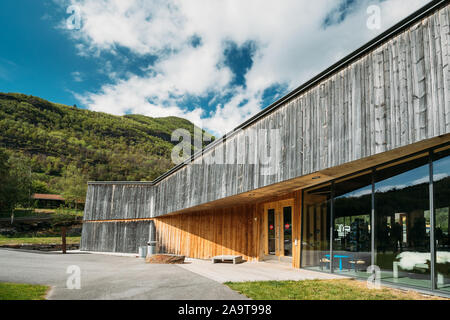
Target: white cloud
<point>426,179</point>
<point>77,76</point>
<point>439,176</point>
<point>389,188</point>
<point>292,46</point>
<point>360,193</point>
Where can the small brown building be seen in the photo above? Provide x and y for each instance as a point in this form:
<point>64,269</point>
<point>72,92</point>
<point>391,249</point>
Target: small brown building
<point>48,201</point>
<point>53,201</point>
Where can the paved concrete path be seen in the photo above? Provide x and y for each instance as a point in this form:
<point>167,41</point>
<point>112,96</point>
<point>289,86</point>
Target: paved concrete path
<point>109,277</point>
<point>252,271</point>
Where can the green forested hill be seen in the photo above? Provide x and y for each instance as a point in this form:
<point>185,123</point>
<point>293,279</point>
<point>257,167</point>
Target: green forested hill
<point>96,145</point>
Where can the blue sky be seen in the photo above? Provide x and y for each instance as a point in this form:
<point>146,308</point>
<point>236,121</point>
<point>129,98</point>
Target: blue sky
<point>214,62</point>
<point>34,57</point>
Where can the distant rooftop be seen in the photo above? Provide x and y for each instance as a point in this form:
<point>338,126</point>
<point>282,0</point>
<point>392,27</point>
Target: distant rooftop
<point>41,196</point>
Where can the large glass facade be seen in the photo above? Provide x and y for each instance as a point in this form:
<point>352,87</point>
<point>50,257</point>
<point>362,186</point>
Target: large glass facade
<point>384,217</point>
<point>441,186</point>
<point>316,229</point>
<point>402,223</point>
<point>352,224</point>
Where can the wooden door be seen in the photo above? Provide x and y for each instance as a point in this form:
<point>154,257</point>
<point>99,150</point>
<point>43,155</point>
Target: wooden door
<point>278,228</point>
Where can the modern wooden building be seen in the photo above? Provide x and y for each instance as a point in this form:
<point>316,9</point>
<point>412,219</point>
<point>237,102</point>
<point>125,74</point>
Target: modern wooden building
<point>360,173</point>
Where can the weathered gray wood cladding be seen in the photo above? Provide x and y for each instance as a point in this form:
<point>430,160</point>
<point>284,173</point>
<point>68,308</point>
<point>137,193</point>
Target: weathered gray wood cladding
<point>110,202</point>
<point>396,95</point>
<point>115,236</point>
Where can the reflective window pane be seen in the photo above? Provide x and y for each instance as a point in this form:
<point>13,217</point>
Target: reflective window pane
<point>402,223</point>
<point>271,230</point>
<point>316,229</point>
<point>441,184</point>
<point>287,233</point>
<point>351,238</point>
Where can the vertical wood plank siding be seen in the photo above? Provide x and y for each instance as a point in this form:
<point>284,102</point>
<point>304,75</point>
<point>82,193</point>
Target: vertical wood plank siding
<point>396,95</point>
<point>121,201</point>
<point>115,236</point>
<point>210,233</point>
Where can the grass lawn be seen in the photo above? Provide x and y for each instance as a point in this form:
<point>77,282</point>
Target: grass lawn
<point>77,213</point>
<point>14,291</point>
<point>37,240</point>
<point>41,213</point>
<point>347,289</point>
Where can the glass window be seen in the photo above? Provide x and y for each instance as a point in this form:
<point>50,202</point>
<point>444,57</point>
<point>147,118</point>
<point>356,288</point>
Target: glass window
<point>287,234</point>
<point>271,230</point>
<point>441,185</point>
<point>352,221</point>
<point>402,226</point>
<point>316,229</point>
<point>402,223</point>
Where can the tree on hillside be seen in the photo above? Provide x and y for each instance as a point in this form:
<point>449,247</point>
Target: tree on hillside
<point>20,180</point>
<point>73,184</point>
<point>4,177</point>
<point>15,189</point>
<point>38,186</point>
<point>103,146</point>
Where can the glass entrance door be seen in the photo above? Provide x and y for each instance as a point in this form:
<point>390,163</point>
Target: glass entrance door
<point>278,228</point>
<point>271,227</point>
<point>287,233</point>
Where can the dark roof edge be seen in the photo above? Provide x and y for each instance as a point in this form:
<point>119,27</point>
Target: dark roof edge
<point>355,55</point>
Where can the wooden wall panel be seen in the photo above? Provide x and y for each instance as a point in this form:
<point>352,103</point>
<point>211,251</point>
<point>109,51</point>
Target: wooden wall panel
<point>233,231</point>
<point>297,229</point>
<point>210,233</point>
<point>115,236</point>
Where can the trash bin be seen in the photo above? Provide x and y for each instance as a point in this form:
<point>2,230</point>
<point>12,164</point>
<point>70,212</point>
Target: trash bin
<point>142,251</point>
<point>151,247</point>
